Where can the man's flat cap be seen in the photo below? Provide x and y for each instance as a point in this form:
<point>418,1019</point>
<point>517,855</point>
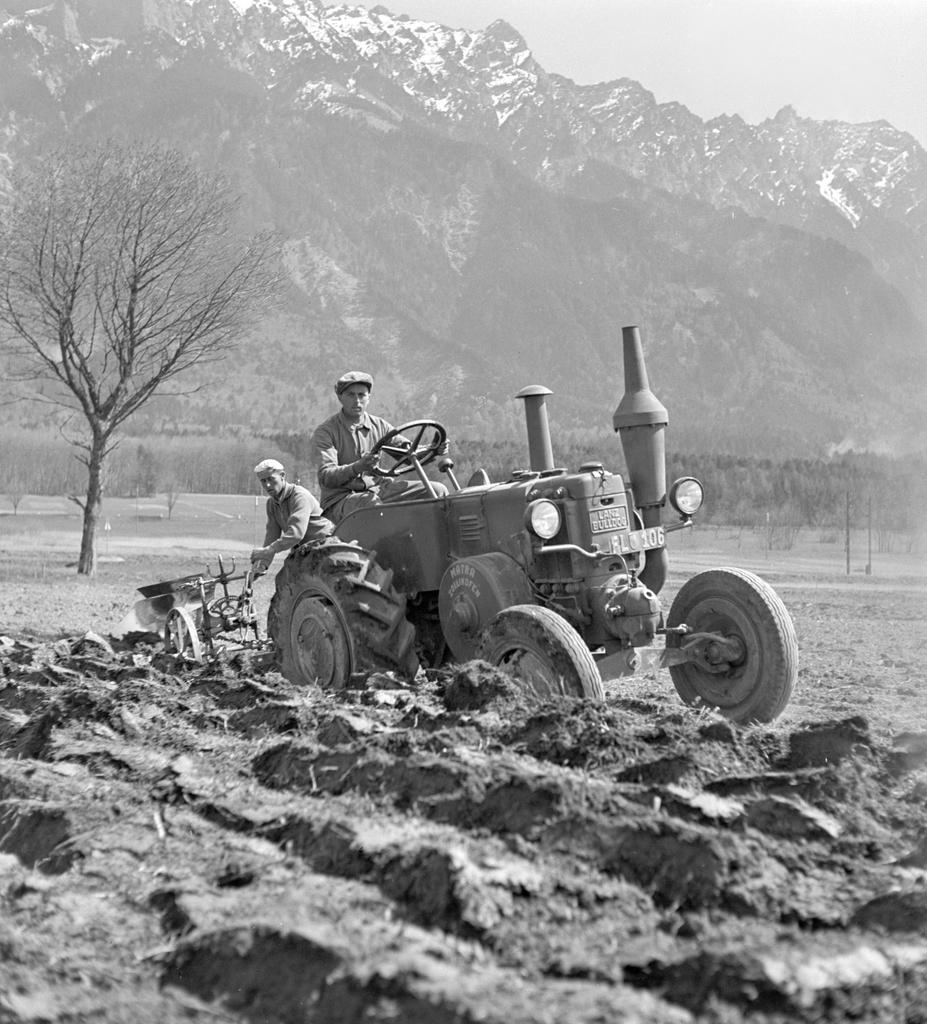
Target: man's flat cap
<point>353,377</point>
<point>269,466</point>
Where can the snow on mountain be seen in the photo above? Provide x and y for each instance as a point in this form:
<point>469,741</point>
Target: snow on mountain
<point>485,86</point>
<point>837,197</point>
<point>464,75</point>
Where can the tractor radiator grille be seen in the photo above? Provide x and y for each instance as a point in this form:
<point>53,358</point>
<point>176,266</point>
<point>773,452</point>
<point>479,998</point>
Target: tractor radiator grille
<point>470,533</point>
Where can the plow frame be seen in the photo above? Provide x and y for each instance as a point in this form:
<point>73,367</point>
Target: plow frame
<point>202,615</point>
<point>190,614</point>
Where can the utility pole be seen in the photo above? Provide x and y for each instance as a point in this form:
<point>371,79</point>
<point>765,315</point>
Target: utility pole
<point>869,560</point>
<point>848,533</point>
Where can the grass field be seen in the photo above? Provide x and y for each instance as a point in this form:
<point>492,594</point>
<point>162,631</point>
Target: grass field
<point>128,524</point>
<point>234,522</point>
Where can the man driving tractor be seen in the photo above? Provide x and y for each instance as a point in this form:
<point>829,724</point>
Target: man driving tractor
<point>348,459</point>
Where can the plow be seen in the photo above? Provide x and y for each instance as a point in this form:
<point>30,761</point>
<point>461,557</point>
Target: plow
<point>200,615</point>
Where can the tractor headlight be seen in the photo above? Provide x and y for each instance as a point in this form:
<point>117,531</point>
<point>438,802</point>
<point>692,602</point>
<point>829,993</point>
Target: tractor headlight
<point>543,519</point>
<point>686,495</point>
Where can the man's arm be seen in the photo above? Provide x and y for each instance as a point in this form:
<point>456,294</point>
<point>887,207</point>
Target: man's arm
<point>299,507</point>
<point>272,530</point>
<point>332,472</point>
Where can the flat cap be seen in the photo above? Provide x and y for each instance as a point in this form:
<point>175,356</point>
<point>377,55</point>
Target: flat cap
<point>269,466</point>
<point>353,377</point>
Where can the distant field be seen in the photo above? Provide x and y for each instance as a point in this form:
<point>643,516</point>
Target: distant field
<point>812,553</point>
<point>197,520</point>
<point>232,523</point>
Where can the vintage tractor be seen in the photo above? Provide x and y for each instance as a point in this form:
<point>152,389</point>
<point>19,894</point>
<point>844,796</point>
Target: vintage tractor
<point>552,575</point>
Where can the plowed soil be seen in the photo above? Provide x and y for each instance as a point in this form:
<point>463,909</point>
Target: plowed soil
<point>180,843</point>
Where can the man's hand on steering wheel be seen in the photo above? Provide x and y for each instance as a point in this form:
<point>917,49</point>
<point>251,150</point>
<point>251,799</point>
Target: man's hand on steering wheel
<point>368,463</point>
<point>407,450</point>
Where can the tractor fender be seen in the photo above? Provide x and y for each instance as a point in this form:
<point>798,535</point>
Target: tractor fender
<point>473,590</point>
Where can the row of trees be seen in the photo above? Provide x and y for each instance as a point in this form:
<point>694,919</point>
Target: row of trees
<point>120,269</point>
<point>42,463</point>
<point>781,495</point>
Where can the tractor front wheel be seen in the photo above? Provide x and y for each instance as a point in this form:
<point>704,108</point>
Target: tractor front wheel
<point>541,651</point>
<point>742,645</point>
<point>335,613</point>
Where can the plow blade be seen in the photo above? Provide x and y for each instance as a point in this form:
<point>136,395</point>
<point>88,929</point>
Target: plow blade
<point>150,614</point>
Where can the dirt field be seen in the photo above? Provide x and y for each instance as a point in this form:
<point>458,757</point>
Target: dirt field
<point>213,844</point>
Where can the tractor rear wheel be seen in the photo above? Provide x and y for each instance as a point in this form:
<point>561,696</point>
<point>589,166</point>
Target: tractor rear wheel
<point>748,667</point>
<point>335,613</point>
<point>542,651</point>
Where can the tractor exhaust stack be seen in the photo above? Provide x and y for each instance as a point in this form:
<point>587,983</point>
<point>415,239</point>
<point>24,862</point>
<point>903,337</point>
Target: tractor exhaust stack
<point>640,421</point>
<point>540,452</point>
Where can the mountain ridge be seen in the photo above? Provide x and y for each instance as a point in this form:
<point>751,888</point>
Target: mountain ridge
<point>497,219</point>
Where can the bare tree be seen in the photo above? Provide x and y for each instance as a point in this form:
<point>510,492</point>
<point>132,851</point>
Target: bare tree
<point>15,491</point>
<point>120,271</point>
<point>172,493</point>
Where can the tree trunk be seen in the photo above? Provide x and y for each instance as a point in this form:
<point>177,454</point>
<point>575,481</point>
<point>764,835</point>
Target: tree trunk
<point>93,504</point>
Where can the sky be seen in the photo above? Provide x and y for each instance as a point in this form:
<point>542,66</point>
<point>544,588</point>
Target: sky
<point>845,60</point>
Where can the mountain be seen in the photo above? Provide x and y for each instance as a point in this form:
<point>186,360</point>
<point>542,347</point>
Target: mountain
<point>461,222</point>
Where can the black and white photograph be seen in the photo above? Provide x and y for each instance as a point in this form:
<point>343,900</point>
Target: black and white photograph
<point>463,549</point>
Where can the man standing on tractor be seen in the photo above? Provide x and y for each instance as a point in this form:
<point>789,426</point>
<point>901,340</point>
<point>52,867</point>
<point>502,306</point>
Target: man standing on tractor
<point>343,451</point>
<point>293,515</point>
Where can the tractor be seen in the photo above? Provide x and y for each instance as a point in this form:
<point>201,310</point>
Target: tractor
<point>552,576</point>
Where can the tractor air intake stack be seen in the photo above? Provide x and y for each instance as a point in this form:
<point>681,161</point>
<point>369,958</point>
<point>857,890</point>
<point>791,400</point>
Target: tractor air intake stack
<point>540,452</point>
<point>640,421</point>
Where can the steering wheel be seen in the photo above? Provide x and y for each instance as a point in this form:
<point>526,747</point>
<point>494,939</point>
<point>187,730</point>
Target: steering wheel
<point>407,454</point>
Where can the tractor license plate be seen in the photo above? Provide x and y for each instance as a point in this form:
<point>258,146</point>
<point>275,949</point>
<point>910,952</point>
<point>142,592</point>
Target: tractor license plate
<point>637,540</point>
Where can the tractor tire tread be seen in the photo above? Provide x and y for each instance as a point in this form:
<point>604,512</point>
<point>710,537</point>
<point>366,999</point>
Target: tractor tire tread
<point>381,637</point>
<point>770,700</point>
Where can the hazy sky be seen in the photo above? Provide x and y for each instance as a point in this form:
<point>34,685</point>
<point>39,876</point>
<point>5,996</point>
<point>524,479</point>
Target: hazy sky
<point>847,60</point>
